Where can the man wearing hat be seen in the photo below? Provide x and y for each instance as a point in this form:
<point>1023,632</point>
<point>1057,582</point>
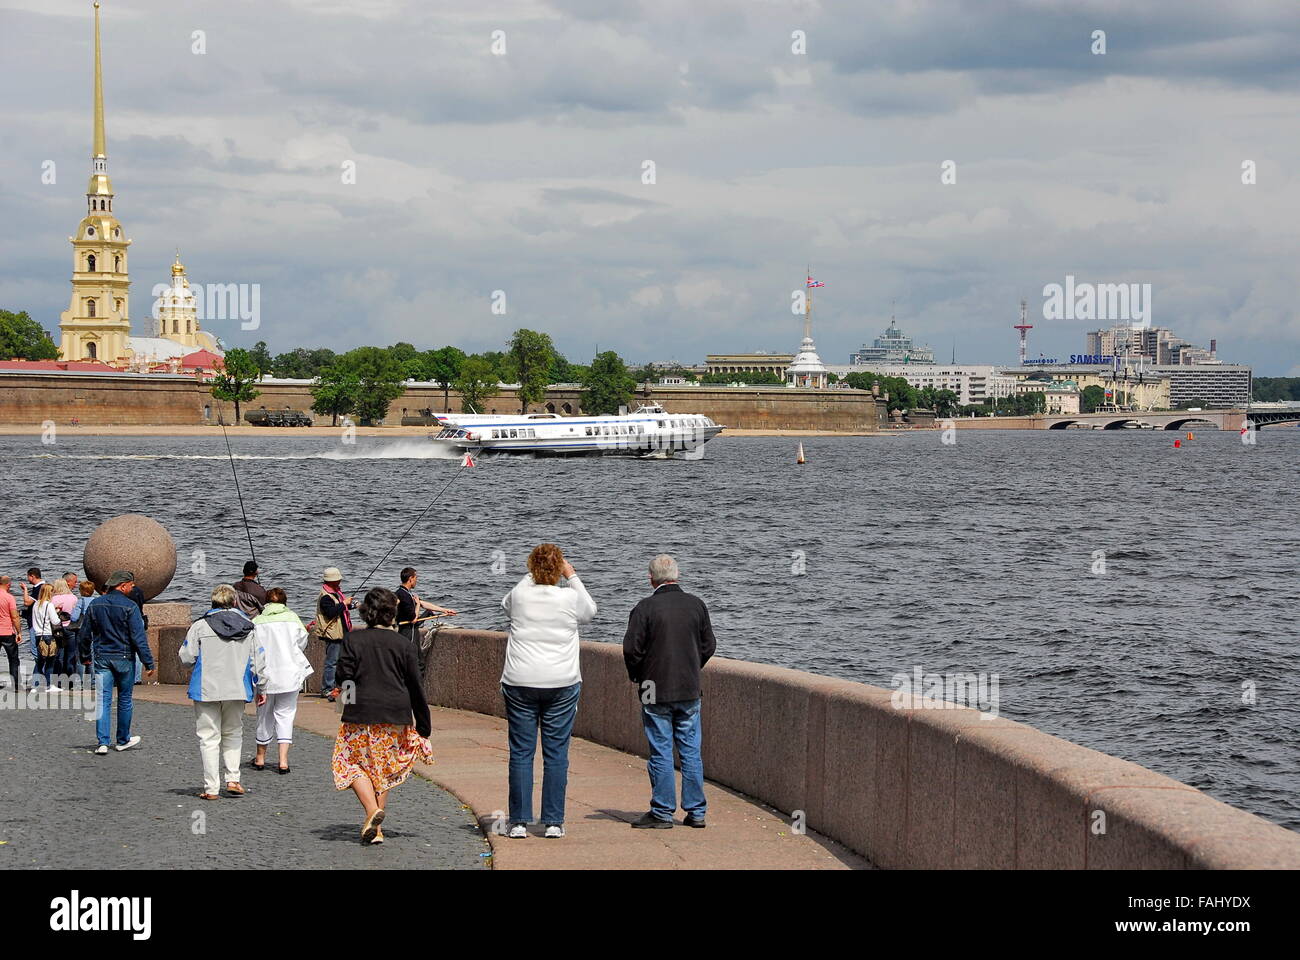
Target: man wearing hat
<point>116,636</point>
<point>332,624</point>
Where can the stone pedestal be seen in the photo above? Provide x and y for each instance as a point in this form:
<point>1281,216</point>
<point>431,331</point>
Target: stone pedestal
<point>168,624</point>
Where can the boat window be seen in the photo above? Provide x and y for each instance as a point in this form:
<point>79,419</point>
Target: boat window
<point>513,433</point>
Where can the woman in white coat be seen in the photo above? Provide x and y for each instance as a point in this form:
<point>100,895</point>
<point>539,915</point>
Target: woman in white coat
<point>541,683</point>
<point>281,666</point>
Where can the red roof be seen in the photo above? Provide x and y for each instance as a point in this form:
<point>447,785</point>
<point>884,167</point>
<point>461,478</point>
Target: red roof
<point>202,360</point>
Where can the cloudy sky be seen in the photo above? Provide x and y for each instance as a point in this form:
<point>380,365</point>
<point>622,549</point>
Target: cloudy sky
<point>523,172</point>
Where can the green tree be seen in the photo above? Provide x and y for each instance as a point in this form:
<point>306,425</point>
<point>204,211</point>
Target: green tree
<point>262,359</point>
<point>532,354</point>
<point>443,367</point>
<point>409,359</point>
<point>503,366</point>
<point>607,385</point>
<point>749,377</point>
<point>1091,398</point>
<point>476,382</point>
<point>303,364</point>
<point>381,380</point>
<point>561,369</point>
<point>335,392</point>
<point>21,338</point>
<point>236,379</point>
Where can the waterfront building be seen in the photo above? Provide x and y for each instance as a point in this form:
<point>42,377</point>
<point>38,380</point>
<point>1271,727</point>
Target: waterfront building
<point>893,346</point>
<point>1217,385</point>
<point>740,363</point>
<point>1142,386</point>
<point>1156,345</point>
<point>971,382</point>
<point>1059,396</point>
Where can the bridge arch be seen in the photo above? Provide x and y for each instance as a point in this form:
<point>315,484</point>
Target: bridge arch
<point>1179,424</point>
<point>1063,424</point>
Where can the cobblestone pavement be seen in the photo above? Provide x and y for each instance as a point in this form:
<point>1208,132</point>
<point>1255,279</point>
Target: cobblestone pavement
<point>61,806</point>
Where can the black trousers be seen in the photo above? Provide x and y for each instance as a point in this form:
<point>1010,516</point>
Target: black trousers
<point>10,645</point>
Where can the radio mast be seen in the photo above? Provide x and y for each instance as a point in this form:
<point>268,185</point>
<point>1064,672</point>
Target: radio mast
<point>1024,329</point>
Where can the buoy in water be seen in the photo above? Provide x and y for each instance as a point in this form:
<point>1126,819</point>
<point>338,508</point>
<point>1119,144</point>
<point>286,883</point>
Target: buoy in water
<point>800,458</point>
<point>1190,435</point>
<point>468,461</point>
<point>1177,444</point>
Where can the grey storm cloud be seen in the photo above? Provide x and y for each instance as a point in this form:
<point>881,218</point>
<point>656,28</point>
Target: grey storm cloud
<point>523,172</point>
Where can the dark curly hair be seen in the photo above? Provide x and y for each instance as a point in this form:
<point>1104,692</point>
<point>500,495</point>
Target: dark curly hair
<point>379,608</point>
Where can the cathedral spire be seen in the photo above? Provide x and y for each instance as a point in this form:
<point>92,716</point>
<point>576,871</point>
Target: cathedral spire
<point>100,192</point>
<point>100,150</point>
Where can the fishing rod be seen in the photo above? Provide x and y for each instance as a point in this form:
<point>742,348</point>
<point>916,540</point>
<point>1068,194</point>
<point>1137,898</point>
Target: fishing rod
<point>464,463</point>
<point>235,473</point>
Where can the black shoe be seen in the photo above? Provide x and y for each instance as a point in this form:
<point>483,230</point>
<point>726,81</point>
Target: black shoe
<point>282,770</point>
<point>694,821</point>
<point>651,822</point>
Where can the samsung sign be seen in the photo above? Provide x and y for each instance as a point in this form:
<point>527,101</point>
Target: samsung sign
<point>1091,358</point>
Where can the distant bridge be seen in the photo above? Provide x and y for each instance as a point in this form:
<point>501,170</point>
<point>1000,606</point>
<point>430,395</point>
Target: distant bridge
<point>1167,420</point>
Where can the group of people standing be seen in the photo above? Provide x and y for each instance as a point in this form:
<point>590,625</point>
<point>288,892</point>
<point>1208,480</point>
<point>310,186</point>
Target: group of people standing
<point>52,613</point>
<point>250,647</point>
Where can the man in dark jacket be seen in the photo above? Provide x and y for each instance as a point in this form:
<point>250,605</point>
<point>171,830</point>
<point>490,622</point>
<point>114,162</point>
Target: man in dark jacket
<point>114,638</point>
<point>669,639</point>
<point>250,595</point>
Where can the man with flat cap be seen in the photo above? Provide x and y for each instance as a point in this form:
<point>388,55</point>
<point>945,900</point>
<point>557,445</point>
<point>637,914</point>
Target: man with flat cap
<point>116,636</point>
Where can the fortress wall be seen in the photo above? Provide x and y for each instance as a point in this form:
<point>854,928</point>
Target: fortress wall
<point>31,399</point>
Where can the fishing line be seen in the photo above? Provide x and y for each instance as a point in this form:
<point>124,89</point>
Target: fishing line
<point>464,463</point>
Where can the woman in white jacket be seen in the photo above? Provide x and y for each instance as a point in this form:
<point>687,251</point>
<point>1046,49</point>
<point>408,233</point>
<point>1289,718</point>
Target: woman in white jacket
<point>281,666</point>
<point>541,683</point>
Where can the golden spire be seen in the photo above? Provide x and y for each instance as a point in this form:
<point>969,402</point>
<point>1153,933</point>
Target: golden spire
<point>178,268</point>
<point>100,150</point>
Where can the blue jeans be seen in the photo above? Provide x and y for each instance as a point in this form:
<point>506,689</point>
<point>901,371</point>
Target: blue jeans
<point>667,724</point>
<point>332,648</point>
<point>118,672</point>
<point>44,665</point>
<point>71,665</point>
<point>553,709</point>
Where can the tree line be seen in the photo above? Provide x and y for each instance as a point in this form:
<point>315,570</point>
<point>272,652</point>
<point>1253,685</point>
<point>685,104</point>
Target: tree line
<point>365,381</point>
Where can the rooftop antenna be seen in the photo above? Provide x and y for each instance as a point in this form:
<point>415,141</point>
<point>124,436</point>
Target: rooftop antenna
<point>1024,327</point>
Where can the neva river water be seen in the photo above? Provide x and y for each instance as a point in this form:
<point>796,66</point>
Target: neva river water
<point>973,558</point>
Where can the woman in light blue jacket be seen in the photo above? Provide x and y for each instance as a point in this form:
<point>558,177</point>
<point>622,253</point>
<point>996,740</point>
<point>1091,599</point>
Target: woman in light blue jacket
<point>220,645</point>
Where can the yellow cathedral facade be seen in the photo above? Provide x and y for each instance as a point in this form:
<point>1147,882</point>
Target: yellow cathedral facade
<point>97,323</point>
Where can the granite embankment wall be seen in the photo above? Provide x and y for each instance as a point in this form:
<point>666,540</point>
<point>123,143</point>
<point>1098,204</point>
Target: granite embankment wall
<point>907,788</point>
<point>143,401</point>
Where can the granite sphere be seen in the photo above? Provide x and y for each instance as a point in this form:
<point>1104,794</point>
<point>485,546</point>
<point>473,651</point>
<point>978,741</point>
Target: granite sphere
<point>132,542</point>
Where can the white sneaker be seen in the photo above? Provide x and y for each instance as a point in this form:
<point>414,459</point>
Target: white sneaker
<point>129,744</point>
<point>554,831</point>
<point>518,832</point>
<point>102,750</point>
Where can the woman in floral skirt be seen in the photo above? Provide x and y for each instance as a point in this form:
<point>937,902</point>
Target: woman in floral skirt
<point>386,722</point>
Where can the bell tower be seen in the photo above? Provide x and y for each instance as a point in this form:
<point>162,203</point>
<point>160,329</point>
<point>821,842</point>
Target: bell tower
<point>97,323</point>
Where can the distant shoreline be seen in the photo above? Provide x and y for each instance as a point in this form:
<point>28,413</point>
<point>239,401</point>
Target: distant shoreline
<point>327,432</point>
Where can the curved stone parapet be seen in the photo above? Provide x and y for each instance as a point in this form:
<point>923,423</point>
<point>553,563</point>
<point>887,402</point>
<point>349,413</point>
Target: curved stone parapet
<point>913,787</point>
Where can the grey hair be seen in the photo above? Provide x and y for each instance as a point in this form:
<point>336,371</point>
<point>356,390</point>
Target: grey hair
<point>223,595</point>
<point>663,568</point>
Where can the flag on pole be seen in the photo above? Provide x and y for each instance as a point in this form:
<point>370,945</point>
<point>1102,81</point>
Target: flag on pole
<point>815,283</point>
